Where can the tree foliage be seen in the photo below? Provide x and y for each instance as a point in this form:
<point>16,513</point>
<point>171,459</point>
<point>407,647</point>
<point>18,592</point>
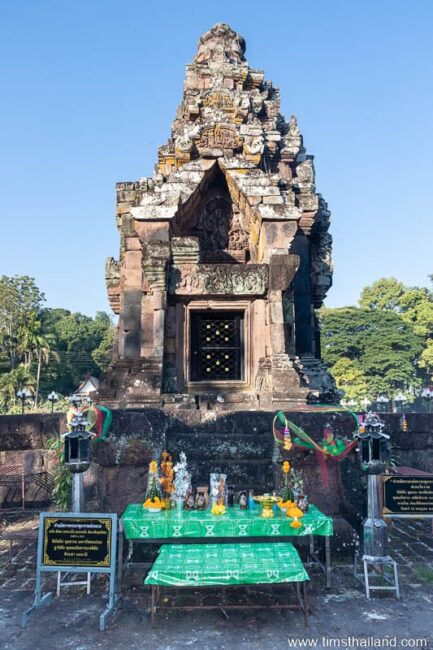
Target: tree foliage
<point>46,349</point>
<point>20,301</point>
<point>383,347</point>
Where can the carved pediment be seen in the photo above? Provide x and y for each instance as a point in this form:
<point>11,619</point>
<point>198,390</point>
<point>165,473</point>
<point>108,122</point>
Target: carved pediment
<point>219,136</point>
<point>214,220</point>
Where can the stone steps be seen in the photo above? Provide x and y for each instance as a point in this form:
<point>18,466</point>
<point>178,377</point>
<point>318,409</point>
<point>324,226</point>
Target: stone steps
<point>246,458</point>
<point>225,446</point>
<point>243,474</point>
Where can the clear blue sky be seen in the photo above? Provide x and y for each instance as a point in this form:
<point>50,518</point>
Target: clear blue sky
<point>90,88</point>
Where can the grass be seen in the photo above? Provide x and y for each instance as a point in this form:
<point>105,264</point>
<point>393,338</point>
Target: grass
<point>423,572</point>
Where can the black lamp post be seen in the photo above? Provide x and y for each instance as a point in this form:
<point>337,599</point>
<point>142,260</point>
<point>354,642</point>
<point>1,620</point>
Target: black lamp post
<point>52,397</point>
<point>75,400</point>
<point>77,457</point>
<point>23,394</point>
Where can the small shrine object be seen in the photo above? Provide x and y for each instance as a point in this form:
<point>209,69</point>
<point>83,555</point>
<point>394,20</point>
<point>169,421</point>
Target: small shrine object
<point>373,446</point>
<point>77,457</point>
<point>202,497</point>
<point>77,445</point>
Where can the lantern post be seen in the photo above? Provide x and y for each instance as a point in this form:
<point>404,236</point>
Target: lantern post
<point>373,447</point>
<point>77,458</point>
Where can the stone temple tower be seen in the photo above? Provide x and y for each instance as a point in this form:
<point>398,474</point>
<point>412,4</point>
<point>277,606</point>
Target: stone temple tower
<point>224,252</point>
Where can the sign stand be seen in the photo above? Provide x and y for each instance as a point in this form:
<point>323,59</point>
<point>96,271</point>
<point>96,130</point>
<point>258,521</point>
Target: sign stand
<point>77,543</point>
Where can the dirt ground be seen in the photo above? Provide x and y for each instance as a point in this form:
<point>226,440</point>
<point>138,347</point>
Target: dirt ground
<point>340,616</point>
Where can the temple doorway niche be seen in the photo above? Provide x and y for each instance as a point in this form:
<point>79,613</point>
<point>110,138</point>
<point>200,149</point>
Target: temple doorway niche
<point>213,217</point>
<point>217,346</point>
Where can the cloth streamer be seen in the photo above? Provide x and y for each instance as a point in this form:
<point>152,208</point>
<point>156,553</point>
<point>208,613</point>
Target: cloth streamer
<point>304,441</point>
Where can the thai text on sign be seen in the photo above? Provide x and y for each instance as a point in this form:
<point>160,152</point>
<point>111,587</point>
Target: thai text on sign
<point>77,542</point>
<point>408,496</point>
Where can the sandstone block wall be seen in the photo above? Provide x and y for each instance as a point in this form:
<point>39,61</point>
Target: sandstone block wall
<point>240,444</point>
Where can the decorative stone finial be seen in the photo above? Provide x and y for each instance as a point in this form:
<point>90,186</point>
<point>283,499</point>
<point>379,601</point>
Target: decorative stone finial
<point>221,43</point>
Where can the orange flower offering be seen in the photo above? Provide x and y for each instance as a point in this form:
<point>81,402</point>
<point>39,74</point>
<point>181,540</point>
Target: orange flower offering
<point>295,512</point>
<point>286,467</point>
<point>296,523</point>
<point>154,503</point>
<point>285,505</point>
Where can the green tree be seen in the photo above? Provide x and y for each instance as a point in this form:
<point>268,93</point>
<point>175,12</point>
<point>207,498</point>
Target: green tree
<point>103,354</point>
<point>20,300</point>
<point>382,294</point>
<point>77,337</point>
<point>10,383</point>
<point>413,304</point>
<point>350,378</point>
<point>384,347</point>
<point>426,358</point>
<point>36,346</point>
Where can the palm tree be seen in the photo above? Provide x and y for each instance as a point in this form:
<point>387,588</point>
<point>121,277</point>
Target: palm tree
<point>11,382</point>
<point>33,341</point>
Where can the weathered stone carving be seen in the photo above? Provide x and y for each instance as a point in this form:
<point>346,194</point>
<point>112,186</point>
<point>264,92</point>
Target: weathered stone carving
<point>155,264</point>
<point>221,44</point>
<point>185,250</point>
<point>305,172</point>
<point>112,280</point>
<point>263,382</point>
<point>293,139</point>
<point>218,279</point>
<point>253,144</point>
<point>219,136</point>
<point>221,100</point>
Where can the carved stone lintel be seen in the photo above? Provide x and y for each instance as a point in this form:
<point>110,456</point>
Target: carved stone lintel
<point>218,279</point>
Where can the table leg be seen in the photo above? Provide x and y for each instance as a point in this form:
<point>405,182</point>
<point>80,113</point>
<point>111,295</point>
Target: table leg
<point>304,590</point>
<point>152,604</point>
<point>328,561</point>
<point>120,561</point>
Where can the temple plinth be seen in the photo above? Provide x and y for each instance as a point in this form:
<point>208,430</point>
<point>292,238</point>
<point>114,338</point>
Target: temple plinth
<point>224,253</point>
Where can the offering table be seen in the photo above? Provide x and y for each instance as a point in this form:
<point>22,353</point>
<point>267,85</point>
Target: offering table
<point>234,526</point>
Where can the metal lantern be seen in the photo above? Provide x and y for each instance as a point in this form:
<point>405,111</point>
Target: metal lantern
<point>373,443</point>
<point>374,448</point>
<point>77,457</point>
<point>77,445</point>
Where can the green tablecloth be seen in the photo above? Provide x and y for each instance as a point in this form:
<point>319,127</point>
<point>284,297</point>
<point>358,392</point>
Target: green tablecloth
<point>140,524</point>
<point>184,565</point>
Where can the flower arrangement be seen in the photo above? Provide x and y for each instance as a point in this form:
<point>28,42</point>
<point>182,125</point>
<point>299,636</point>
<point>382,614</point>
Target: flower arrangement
<point>153,491</point>
<point>218,509</point>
